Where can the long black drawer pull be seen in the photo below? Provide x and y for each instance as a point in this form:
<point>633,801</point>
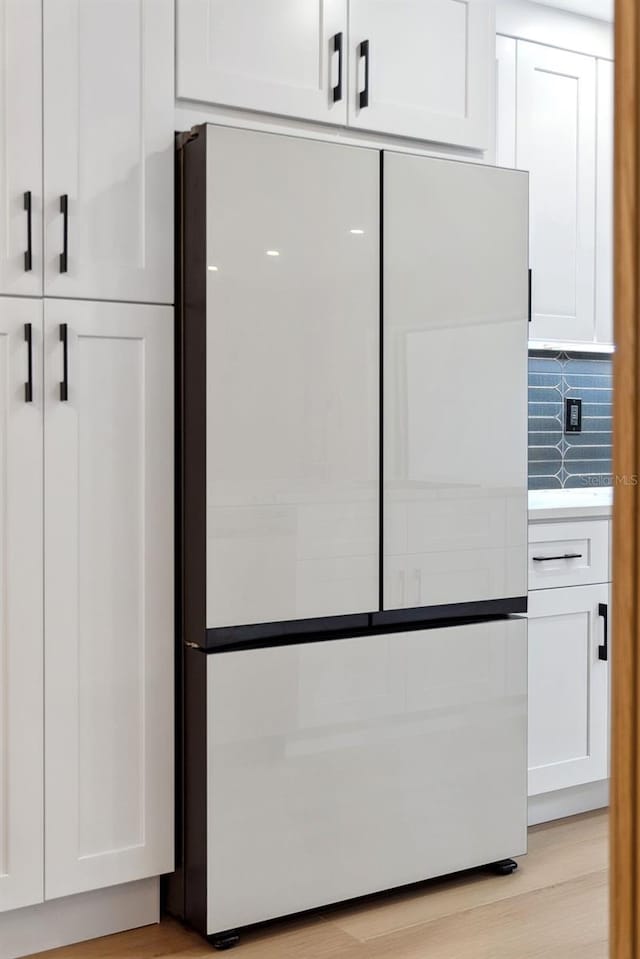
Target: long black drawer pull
<point>337,48</point>
<point>28,256</point>
<point>28,386</point>
<point>547,559</point>
<point>603,651</point>
<point>64,386</point>
<point>64,209</point>
<point>363,53</point>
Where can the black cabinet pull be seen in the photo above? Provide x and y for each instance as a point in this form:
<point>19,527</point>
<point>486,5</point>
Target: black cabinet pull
<point>64,209</point>
<point>64,386</point>
<point>337,48</point>
<point>28,256</point>
<point>603,651</point>
<point>363,53</point>
<point>28,386</point>
<point>547,559</point>
<point>530,293</point>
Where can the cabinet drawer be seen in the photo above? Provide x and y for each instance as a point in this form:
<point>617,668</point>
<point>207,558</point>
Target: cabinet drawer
<point>568,554</point>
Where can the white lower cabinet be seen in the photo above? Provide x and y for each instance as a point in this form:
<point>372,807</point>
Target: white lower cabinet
<point>86,592</point>
<point>108,594</point>
<point>568,687</point>
<point>21,679</point>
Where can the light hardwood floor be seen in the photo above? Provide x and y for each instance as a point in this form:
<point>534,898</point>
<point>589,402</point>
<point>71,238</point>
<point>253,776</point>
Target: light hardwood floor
<point>554,907</point>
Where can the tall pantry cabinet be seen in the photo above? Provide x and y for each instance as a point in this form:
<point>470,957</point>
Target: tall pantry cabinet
<point>86,446</point>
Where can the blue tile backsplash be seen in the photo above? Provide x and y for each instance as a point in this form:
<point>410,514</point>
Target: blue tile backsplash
<point>569,460</point>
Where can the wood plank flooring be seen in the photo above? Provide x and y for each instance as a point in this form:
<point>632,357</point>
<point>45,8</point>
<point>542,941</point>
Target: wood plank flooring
<point>554,907</point>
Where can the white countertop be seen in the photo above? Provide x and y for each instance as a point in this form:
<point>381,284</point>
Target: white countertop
<point>589,503</point>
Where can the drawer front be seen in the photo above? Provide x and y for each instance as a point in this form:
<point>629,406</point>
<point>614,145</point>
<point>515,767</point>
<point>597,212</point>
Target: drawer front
<point>568,554</point>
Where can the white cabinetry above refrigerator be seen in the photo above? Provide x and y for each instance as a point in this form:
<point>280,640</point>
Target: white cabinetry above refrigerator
<point>420,70</point>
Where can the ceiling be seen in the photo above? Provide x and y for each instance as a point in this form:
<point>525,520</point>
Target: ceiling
<point>602,9</point>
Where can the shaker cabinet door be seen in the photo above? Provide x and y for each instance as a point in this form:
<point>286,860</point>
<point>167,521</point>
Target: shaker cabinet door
<point>21,648</point>
<point>21,153</point>
<point>568,688</point>
<point>108,594</point>
<point>108,146</point>
<point>277,56</point>
<point>556,143</point>
<point>422,70</point>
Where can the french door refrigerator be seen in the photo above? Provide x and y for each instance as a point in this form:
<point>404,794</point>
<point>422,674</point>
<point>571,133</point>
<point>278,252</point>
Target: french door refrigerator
<point>353,508</point>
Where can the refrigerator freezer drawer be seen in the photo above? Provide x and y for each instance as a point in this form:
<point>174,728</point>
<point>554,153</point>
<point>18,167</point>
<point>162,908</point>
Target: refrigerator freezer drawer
<point>341,768</point>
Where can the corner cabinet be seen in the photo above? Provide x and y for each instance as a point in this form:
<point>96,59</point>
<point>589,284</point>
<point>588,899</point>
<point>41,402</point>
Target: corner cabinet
<point>87,169</point>
<point>21,601</point>
<point>392,66</point>
<point>86,518</point>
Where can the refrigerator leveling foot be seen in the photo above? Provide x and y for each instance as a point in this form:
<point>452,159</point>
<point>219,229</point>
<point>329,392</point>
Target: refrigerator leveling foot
<point>224,940</point>
<point>505,867</point>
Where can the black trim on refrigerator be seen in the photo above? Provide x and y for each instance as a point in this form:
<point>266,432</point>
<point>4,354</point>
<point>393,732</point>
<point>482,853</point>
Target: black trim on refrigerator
<point>194,520</point>
<point>28,256</point>
<point>530,292</point>
<point>263,635</point>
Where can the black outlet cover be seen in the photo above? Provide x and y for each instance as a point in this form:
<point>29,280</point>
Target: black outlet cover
<point>573,416</point>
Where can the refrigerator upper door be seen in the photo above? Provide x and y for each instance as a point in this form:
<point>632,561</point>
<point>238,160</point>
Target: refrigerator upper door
<point>455,382</point>
<point>292,378</point>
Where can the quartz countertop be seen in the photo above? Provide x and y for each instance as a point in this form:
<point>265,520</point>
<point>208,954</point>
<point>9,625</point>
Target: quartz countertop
<point>557,504</point>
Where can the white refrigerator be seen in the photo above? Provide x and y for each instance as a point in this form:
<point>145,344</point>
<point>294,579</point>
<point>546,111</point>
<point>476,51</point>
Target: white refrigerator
<point>353,522</point>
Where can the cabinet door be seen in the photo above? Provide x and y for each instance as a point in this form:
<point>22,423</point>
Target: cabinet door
<point>293,332</point>
<point>108,144</point>
<point>428,71</point>
<point>21,729</point>
<point>280,56</point>
<point>604,207</point>
<point>21,153</point>
<point>108,594</point>
<point>455,345</point>
<point>556,143</point>
<point>568,688</point>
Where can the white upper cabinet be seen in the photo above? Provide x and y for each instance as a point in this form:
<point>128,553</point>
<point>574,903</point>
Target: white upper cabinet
<point>108,147</point>
<point>455,497</point>
<point>279,56</point>
<point>556,142</point>
<point>108,565</point>
<point>422,69</point>
<point>21,676</point>
<point>292,328</point>
<point>21,153</point>
<point>604,205</point>
<point>568,687</point>
<point>414,69</point>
